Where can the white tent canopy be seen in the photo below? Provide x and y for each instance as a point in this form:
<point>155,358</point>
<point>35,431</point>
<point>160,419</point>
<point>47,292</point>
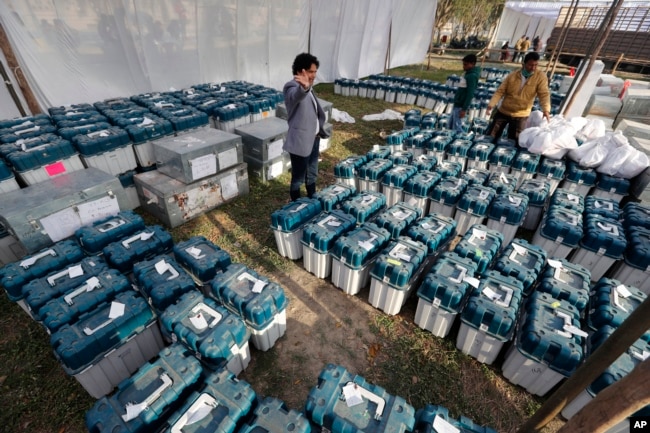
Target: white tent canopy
<point>89,50</point>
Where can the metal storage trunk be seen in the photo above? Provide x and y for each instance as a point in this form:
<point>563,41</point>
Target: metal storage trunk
<point>538,193</point>
<point>506,213</point>
<point>216,336</point>
<point>259,302</point>
<point>394,180</point>
<point>611,302</point>
<point>345,403</point>
<point>478,155</point>
<point>127,182</point>
<point>13,276</point>
<point>395,273</point>
<point>41,214</point>
<point>480,244</point>
<point>418,187</point>
<point>269,170</point>
<point>39,291</point>
<point>230,401</point>
<point>378,152</point>
<point>143,245</point>
<point>90,292</point>
<point>142,402</point>
<point>10,249</point>
<point>364,206</point>
<point>397,218</point>
<point>524,165</point>
<point>332,196</point>
<point>523,261</point>
<point>560,232</point>
<point>578,180</point>
<point>174,202</point>
<point>567,199</point>
<point>94,237</point>
<point>287,224</point>
<point>501,159</point>
<point>434,419</point>
<point>370,174</point>
<point>449,169</point>
<point>489,317</point>
<point>611,187</point>
<point>634,269</point>
<point>472,207</point>
<point>273,415</point>
<point>38,164</point>
<point>425,163</point>
<point>445,195</point>
<point>476,176</point>
<point>548,345</point>
<point>201,259</point>
<point>602,244</point>
<point>564,280</point>
<point>7,179</point>
<point>607,208</point>
<point>162,281</point>
<point>318,239</point>
<point>346,171</point>
<point>107,344</point>
<point>194,155</point>
<point>353,255</point>
<point>263,140</point>
<point>443,293</point>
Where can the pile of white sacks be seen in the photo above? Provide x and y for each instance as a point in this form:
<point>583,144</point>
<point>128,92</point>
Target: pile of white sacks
<point>585,141</point>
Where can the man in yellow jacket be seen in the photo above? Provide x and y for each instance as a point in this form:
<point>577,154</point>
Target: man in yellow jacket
<point>517,94</point>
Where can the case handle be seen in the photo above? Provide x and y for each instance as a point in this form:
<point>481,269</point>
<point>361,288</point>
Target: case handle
<point>25,264</point>
<point>90,285</point>
<point>162,266</point>
<point>110,225</point>
<point>196,412</point>
<point>134,409</point>
<point>380,402</point>
<point>139,237</point>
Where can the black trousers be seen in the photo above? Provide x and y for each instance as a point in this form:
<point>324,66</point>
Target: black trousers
<point>500,121</point>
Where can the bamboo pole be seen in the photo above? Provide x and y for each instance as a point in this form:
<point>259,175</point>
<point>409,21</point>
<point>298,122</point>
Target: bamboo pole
<point>13,64</point>
<point>620,58</point>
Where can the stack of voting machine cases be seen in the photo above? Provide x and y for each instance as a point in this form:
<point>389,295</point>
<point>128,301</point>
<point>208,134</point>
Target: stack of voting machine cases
<point>197,171</point>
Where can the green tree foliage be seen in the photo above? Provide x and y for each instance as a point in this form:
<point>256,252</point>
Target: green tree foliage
<point>476,17</point>
<point>444,12</point>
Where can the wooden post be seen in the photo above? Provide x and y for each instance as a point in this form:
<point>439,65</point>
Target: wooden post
<point>12,62</point>
<point>613,404</point>
<point>630,330</point>
<point>620,58</point>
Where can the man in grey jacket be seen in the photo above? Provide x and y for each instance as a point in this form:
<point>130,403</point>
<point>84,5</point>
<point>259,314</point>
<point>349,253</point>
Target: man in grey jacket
<point>306,119</point>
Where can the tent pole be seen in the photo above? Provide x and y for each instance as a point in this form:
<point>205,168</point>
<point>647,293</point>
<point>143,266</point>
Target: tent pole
<point>564,34</point>
<point>597,45</point>
<point>12,62</point>
<point>387,60</point>
<point>560,37</point>
<point>12,91</point>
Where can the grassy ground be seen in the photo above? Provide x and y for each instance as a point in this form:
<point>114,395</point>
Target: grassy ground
<point>37,396</point>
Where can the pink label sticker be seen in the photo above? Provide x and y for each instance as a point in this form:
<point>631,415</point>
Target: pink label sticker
<point>54,169</point>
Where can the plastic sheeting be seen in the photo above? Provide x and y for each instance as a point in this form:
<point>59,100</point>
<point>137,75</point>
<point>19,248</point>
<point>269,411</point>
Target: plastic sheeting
<point>89,50</point>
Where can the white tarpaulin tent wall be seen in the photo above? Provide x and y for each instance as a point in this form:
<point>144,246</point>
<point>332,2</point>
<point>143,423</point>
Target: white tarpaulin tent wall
<point>91,50</point>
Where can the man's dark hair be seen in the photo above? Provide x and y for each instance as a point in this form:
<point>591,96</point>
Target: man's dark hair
<point>531,56</point>
<point>304,61</point>
<point>470,58</point>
